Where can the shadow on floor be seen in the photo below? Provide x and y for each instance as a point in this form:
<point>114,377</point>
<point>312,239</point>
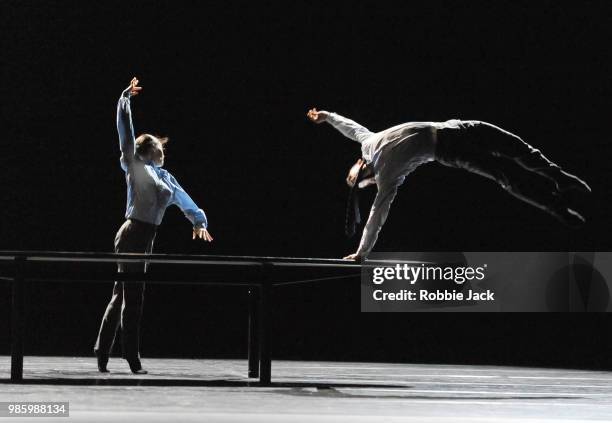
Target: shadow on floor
<point>332,392</point>
<point>97,381</point>
<point>303,389</point>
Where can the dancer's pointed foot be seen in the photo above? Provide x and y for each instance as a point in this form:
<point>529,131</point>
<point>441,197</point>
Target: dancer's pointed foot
<point>569,217</point>
<point>567,182</point>
<point>136,366</point>
<point>102,362</point>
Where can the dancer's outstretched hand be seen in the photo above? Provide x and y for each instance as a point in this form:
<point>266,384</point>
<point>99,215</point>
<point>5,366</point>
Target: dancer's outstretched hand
<point>202,233</point>
<point>317,116</point>
<point>134,88</point>
<point>353,256</point>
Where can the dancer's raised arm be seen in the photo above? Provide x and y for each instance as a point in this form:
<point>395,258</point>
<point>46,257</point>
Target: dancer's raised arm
<point>349,128</point>
<point>125,128</point>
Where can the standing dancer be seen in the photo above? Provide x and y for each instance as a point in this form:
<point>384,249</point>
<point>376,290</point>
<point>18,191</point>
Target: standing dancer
<point>150,190</point>
<point>478,147</point>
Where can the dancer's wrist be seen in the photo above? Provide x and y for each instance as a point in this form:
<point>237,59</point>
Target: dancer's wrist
<point>127,93</point>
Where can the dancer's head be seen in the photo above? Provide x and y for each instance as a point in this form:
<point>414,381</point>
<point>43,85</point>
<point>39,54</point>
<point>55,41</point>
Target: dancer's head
<point>151,148</point>
<point>360,173</point>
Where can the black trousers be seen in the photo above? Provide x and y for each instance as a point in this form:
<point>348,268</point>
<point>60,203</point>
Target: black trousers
<point>125,306</point>
<point>494,153</point>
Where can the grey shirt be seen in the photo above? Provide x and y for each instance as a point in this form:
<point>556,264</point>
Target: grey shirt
<point>393,153</point>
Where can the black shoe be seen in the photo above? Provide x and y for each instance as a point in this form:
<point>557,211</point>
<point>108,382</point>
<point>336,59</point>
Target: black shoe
<point>569,217</point>
<point>567,182</point>
<point>102,362</point>
<point>136,366</point>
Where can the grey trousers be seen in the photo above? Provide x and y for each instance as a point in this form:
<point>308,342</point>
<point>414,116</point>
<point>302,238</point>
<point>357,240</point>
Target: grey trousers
<point>125,306</point>
<point>494,153</point>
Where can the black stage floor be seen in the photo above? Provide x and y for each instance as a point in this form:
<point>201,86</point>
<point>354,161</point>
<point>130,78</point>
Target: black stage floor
<point>217,391</point>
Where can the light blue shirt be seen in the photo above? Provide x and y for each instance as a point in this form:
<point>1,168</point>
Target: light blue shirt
<point>150,189</point>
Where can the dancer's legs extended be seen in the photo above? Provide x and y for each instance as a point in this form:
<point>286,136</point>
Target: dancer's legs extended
<point>537,192</point>
<point>457,148</point>
<point>502,143</point>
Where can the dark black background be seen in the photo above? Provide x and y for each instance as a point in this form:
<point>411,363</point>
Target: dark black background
<point>230,83</point>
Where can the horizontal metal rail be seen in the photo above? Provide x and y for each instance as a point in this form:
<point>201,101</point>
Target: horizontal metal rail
<point>173,258</point>
<point>195,259</point>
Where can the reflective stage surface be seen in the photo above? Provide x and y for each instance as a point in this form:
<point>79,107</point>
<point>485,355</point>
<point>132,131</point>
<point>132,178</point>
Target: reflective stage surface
<point>216,390</point>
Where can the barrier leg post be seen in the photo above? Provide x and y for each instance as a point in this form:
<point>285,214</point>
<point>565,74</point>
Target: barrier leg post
<point>253,341</point>
<point>265,361</point>
<point>17,321</point>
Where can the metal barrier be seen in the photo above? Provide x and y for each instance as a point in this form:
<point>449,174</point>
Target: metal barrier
<point>260,275</point>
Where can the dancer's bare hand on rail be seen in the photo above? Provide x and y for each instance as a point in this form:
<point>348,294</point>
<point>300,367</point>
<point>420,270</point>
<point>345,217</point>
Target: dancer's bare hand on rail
<point>317,116</point>
<point>353,256</point>
<point>201,233</point>
<point>134,88</point>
